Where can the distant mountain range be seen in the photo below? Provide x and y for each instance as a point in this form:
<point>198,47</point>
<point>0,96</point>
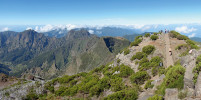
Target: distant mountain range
<point>30,52</point>
<point>191,30</point>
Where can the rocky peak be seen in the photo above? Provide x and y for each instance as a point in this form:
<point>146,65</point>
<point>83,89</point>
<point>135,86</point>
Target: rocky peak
<point>75,34</point>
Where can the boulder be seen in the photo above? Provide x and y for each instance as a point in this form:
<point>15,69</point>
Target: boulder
<point>171,94</point>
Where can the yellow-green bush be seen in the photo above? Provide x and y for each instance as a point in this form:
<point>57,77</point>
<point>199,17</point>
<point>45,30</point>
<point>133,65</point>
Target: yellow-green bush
<point>154,37</point>
<point>173,79</point>
<point>148,49</point>
<point>140,77</point>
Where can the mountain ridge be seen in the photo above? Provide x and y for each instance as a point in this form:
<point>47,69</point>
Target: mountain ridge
<point>42,54</point>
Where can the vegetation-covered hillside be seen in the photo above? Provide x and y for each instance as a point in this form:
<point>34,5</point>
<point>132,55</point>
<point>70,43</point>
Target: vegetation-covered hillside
<point>30,52</point>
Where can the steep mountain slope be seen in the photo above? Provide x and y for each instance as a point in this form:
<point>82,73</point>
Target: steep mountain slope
<point>24,46</point>
<point>30,52</point>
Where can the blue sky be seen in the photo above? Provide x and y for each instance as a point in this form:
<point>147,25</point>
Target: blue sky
<point>99,12</point>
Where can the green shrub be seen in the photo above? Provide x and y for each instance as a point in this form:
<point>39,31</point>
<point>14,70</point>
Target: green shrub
<point>154,37</point>
<point>147,35</point>
<point>125,71</point>
<point>98,88</point>
<point>60,90</point>
<point>118,60</point>
<point>182,37</point>
<point>177,35</point>
<point>174,79</point>
<point>32,95</point>
<point>49,86</point>
<point>148,49</point>
<point>138,55</point>
<point>116,84</point>
<point>126,51</point>
<point>197,69</point>
<point>161,71</point>
<point>154,71</point>
<point>128,94</point>
<point>138,37</point>
<point>155,61</point>
<point>7,94</point>
<point>155,33</point>
<point>65,79</point>
<point>139,77</point>
<point>70,91</point>
<point>192,44</point>
<point>144,64</point>
<point>174,34</point>
<point>87,83</point>
<point>136,62</point>
<point>136,42</point>
<point>148,84</point>
<point>144,60</point>
<point>155,97</point>
<point>198,59</point>
<point>182,46</point>
<point>195,77</point>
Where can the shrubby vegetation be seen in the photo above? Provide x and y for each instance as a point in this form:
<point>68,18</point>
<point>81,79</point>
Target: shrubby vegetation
<point>32,95</point>
<point>137,41</point>
<point>138,55</point>
<point>93,83</point>
<point>148,49</point>
<point>148,84</point>
<point>177,35</point>
<point>139,77</point>
<point>190,44</point>
<point>154,37</point>
<point>125,71</point>
<point>155,97</point>
<point>147,35</point>
<point>118,60</point>
<point>174,79</point>
<point>197,69</point>
<point>126,51</point>
<point>126,94</point>
<point>182,46</point>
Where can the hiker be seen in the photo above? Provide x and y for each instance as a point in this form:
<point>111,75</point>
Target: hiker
<point>170,51</point>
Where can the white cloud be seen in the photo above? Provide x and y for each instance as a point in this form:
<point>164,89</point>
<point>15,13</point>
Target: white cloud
<point>192,35</point>
<point>29,28</point>
<point>146,28</point>
<point>46,28</point>
<point>49,27</point>
<point>70,27</point>
<point>91,31</point>
<point>185,29</point>
<point>37,28</point>
<point>5,29</point>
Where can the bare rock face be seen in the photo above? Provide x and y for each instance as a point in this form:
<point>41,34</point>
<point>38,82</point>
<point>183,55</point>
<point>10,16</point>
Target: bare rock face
<point>18,92</point>
<point>171,94</point>
<point>198,87</point>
